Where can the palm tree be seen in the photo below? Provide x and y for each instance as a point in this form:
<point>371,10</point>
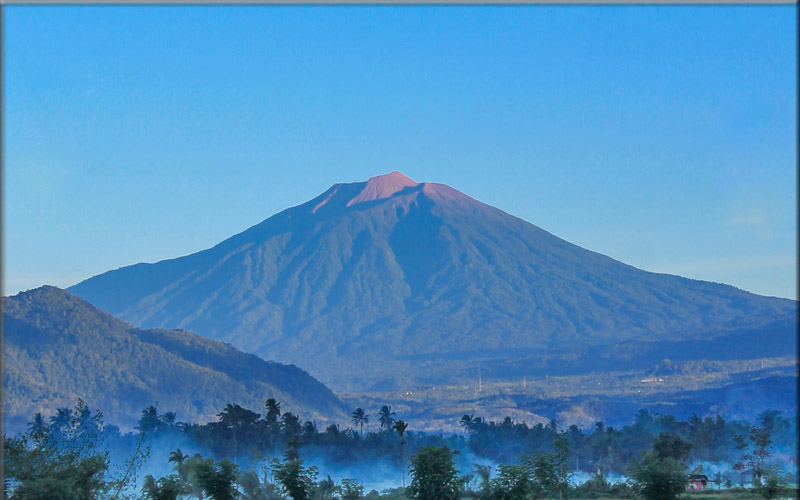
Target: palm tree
<point>38,428</point>
<point>234,416</point>
<point>62,418</point>
<point>485,473</point>
<point>273,410</point>
<point>273,413</point>
<point>466,422</point>
<point>386,417</point>
<point>149,420</point>
<point>169,418</point>
<point>61,422</point>
<point>178,458</point>
<point>400,426</point>
<point>360,418</point>
<point>290,424</point>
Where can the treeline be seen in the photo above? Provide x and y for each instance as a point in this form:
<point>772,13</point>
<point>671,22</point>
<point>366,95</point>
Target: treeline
<point>251,456</point>
<point>248,436</point>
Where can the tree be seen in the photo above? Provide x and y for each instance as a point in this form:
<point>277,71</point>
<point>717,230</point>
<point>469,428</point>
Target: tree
<point>169,418</point>
<point>513,482</point>
<point>658,478</point>
<point>62,461</point>
<point>177,457</point>
<point>755,459</point>
<point>359,417</point>
<point>290,424</point>
<point>561,444</point>
<point>400,426</point>
<point>485,473</point>
<point>542,467</point>
<point>433,475</point>
<point>273,414</point>
<point>386,417</point>
<point>149,421</point>
<point>252,488</point>
<point>350,489</point>
<point>38,428</point>
<point>166,488</point>
<point>235,417</point>
<point>669,445</point>
<point>660,474</point>
<point>216,479</point>
<point>466,422</point>
<point>774,483</point>
<point>273,410</point>
<point>295,480</point>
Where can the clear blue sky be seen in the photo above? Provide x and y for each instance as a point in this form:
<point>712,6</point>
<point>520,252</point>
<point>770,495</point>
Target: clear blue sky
<point>662,136</point>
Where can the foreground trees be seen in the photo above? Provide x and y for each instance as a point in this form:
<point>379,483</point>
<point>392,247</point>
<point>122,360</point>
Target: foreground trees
<point>660,474</point>
<point>434,475</point>
<point>61,461</point>
<point>62,457</point>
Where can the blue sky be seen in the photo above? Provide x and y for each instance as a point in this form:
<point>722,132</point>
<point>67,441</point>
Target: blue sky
<point>662,136</point>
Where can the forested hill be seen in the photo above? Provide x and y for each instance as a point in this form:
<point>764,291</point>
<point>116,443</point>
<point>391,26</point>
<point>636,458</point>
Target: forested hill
<point>394,273</point>
<point>59,347</point>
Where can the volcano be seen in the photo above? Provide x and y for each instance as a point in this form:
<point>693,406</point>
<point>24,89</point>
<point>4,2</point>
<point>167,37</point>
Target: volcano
<point>394,279</point>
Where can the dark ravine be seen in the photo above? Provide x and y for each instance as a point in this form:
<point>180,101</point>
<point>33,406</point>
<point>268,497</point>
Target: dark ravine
<point>59,347</point>
<point>370,279</point>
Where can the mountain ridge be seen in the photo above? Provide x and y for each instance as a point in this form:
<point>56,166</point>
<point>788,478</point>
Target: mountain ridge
<point>59,347</point>
<point>411,268</point>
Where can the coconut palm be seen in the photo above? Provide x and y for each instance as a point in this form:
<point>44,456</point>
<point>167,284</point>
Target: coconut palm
<point>386,417</point>
<point>38,427</point>
<point>400,426</point>
<point>149,421</point>
<point>485,473</point>
<point>61,423</point>
<point>236,417</point>
<point>359,417</point>
<point>466,422</point>
<point>179,459</point>
<point>169,418</point>
<point>273,410</point>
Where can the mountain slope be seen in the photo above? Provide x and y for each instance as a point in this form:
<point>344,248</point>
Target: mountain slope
<point>389,270</point>
<point>58,347</point>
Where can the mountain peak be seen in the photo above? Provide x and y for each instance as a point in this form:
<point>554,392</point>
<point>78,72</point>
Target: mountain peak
<point>383,186</point>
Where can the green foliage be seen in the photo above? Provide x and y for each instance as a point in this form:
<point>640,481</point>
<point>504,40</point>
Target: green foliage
<point>774,483</point>
<point>63,460</point>
<point>669,445</point>
<point>754,456</point>
<point>513,482</point>
<point>434,475</point>
<point>657,478</point>
<point>166,488</point>
<point>216,479</point>
<point>350,489</point>
<point>359,417</point>
<point>295,480</point>
<point>386,417</point>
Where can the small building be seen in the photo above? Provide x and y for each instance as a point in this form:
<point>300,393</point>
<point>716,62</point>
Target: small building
<point>697,482</point>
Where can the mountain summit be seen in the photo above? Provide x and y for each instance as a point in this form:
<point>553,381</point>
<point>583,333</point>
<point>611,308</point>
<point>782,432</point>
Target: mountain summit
<point>383,186</point>
<point>390,279</point>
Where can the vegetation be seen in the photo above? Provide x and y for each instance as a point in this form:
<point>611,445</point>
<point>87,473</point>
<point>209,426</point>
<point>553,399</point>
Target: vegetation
<point>67,456</point>
<point>57,344</point>
<point>433,475</point>
<point>660,474</point>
